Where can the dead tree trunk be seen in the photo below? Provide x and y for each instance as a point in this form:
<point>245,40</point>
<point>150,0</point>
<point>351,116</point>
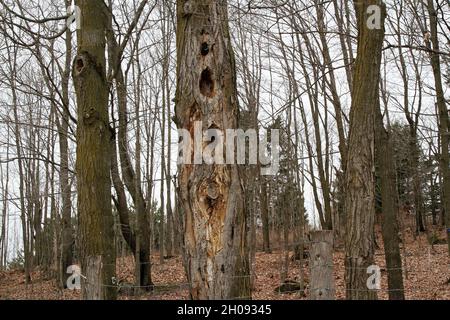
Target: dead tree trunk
<point>211,195</point>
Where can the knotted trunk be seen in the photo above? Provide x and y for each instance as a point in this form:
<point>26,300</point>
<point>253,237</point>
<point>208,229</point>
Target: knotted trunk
<point>211,195</point>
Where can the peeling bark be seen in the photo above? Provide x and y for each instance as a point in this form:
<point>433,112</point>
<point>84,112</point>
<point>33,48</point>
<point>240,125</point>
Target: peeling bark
<point>212,196</point>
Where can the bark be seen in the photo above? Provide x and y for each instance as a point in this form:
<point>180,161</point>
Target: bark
<point>285,208</point>
<point>212,196</point>
<point>415,153</point>
<point>67,236</point>
<point>390,209</point>
<point>4,232</point>
<point>150,175</point>
<point>417,182</point>
<point>23,210</point>
<point>93,161</point>
<point>265,215</point>
<point>121,200</point>
<point>161,191</point>
<point>248,120</point>
<point>167,114</point>
<point>130,178</point>
<point>128,173</point>
<point>162,245</point>
<point>433,200</point>
<point>360,188</point>
<point>444,121</point>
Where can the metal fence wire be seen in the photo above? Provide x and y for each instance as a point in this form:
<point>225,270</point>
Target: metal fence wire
<point>303,288</point>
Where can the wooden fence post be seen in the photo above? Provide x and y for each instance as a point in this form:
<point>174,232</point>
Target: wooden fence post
<point>94,282</point>
<point>322,285</point>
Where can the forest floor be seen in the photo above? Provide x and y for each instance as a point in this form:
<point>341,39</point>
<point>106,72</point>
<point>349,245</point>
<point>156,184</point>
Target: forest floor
<point>426,271</point>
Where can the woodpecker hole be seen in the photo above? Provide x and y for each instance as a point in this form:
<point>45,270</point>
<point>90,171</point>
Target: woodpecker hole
<point>204,50</point>
<point>207,83</point>
<point>79,65</point>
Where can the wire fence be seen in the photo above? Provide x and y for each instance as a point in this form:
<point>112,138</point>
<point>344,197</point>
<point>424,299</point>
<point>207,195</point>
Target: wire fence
<point>302,287</point>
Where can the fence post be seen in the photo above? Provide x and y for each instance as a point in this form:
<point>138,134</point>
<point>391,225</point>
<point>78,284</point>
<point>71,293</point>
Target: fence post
<point>93,282</point>
<point>321,263</point>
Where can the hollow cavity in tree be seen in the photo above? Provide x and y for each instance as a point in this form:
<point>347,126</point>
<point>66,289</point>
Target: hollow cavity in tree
<point>79,65</point>
<point>207,83</point>
<point>204,50</point>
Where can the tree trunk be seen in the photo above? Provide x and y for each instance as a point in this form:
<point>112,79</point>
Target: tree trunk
<point>23,214</point>
<point>417,181</point>
<point>167,115</point>
<point>5,227</point>
<point>444,122</point>
<point>212,196</point>
<point>389,199</point>
<point>93,163</point>
<point>130,178</point>
<point>161,190</point>
<point>433,200</point>
<point>265,215</point>
<point>121,200</point>
<point>360,188</point>
<point>67,236</point>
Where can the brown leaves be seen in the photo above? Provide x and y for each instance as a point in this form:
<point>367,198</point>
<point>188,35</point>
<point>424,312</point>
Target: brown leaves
<point>426,274</point>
